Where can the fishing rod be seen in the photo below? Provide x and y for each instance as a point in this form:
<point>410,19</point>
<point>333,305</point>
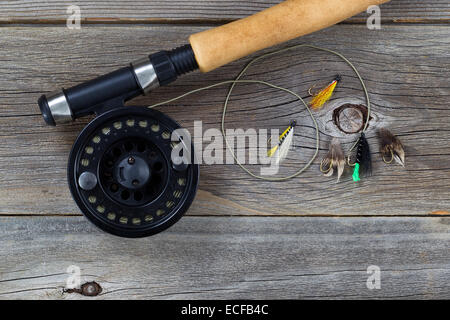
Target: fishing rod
<point>120,170</point>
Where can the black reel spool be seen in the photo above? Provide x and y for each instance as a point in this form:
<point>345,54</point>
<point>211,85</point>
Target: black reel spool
<point>121,173</point>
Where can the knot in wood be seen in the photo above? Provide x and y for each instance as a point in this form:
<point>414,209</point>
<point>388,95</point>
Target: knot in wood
<point>350,118</point>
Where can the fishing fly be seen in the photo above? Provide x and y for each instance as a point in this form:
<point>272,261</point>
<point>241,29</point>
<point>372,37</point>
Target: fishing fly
<point>390,147</point>
<point>280,151</point>
<point>363,160</point>
<point>334,161</point>
<point>321,97</point>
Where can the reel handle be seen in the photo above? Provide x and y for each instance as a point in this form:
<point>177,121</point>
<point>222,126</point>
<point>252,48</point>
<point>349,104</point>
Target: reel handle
<point>288,20</point>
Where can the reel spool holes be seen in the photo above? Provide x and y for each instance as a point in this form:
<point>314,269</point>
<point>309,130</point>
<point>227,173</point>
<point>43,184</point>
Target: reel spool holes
<point>121,175</point>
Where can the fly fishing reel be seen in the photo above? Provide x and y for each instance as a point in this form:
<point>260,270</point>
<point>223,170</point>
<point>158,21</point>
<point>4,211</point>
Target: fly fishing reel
<point>122,177</point>
<point>123,171</point>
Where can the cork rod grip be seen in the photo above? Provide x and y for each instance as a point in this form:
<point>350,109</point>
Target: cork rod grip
<point>285,21</point>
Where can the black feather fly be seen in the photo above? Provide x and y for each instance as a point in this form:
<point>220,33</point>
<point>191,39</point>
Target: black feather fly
<point>363,161</point>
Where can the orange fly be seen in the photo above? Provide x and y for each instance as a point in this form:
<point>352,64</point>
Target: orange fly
<point>324,95</point>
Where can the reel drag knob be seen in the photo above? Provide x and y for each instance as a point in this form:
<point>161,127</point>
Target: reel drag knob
<point>132,172</point>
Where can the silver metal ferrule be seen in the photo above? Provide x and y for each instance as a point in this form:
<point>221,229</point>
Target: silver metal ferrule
<point>59,107</point>
<point>145,74</point>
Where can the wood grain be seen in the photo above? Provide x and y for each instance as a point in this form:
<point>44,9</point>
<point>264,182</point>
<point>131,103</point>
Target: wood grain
<point>229,258</point>
<point>325,235</point>
<point>408,85</point>
<point>199,11</point>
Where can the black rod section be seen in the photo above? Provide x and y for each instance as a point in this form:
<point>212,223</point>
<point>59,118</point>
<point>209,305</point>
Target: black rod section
<point>114,88</point>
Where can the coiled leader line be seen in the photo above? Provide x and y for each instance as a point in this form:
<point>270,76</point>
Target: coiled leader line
<point>238,80</point>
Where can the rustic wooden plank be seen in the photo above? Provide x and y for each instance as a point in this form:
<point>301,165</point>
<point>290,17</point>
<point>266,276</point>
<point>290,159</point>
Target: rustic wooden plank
<point>230,258</point>
<point>408,85</point>
<point>173,11</point>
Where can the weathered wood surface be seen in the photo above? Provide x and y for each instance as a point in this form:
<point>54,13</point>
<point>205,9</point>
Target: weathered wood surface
<point>199,11</point>
<point>406,69</point>
<point>230,258</point>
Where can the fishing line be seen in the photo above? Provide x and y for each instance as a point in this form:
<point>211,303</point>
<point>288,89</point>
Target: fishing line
<point>238,80</point>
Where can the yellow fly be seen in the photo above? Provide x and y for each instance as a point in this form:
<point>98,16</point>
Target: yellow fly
<point>284,142</point>
<point>325,94</point>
